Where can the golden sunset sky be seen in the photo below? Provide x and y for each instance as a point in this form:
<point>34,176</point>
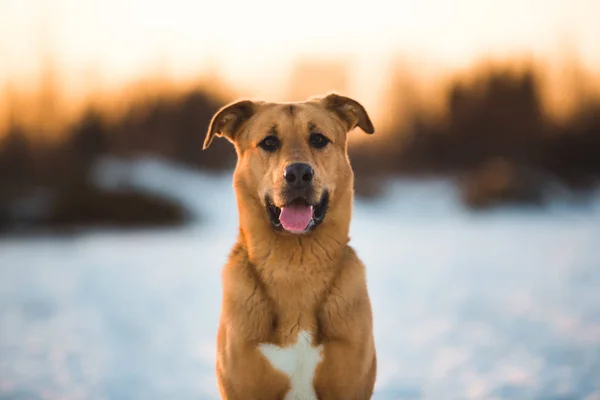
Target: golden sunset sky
<point>252,45</point>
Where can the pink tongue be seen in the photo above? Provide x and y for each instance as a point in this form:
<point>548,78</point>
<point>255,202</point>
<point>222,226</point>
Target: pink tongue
<point>295,217</point>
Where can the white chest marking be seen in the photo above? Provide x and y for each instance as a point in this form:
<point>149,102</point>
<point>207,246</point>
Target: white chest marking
<point>298,362</point>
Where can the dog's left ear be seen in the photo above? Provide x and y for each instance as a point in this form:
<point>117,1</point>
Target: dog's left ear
<point>349,111</point>
<point>228,121</point>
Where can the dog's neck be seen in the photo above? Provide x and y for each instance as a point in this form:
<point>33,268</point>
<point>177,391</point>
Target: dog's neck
<point>317,249</point>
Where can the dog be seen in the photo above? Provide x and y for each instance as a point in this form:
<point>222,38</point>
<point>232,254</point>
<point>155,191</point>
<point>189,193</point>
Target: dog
<point>296,319</point>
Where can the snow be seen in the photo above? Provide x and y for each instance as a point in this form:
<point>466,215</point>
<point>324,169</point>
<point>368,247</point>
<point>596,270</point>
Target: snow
<point>490,305</point>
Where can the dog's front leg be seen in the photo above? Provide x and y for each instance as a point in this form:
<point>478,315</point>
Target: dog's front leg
<point>348,369</point>
<point>243,372</point>
<point>347,372</point>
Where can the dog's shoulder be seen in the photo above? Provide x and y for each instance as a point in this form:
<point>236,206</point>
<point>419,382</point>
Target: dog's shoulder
<point>238,253</point>
<point>245,299</point>
<point>239,274</point>
<point>347,299</point>
<point>351,262</point>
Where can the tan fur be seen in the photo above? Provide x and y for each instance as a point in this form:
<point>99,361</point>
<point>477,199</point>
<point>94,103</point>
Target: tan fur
<point>276,284</point>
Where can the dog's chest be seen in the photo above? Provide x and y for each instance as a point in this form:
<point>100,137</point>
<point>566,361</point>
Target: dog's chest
<point>299,362</point>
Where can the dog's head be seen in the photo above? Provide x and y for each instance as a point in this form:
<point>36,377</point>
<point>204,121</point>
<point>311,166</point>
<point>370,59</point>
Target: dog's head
<point>292,157</point>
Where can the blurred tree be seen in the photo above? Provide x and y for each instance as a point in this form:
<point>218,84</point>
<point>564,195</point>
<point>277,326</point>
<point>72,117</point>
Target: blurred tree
<point>87,142</point>
<point>15,158</point>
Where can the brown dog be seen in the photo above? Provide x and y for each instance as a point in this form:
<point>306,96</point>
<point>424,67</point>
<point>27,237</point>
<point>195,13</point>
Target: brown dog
<point>296,318</point>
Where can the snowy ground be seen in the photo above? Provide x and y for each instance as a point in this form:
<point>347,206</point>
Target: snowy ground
<point>498,305</point>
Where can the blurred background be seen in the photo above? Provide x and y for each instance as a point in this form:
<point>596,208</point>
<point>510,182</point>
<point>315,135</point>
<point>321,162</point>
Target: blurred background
<point>477,210</point>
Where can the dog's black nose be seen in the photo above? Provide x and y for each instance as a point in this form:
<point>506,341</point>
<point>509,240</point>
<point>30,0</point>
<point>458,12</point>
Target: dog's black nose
<point>298,174</point>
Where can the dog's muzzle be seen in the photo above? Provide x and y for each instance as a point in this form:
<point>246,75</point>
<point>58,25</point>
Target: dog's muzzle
<point>300,211</point>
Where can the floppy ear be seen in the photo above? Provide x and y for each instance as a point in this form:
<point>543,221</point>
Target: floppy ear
<point>350,111</point>
<point>228,120</point>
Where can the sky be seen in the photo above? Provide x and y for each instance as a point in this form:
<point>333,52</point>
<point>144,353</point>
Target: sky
<point>253,44</point>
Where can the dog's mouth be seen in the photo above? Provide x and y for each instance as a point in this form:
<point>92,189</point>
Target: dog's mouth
<point>298,216</point>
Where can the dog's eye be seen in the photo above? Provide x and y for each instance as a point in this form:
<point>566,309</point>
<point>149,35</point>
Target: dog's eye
<point>270,143</point>
<point>318,140</point>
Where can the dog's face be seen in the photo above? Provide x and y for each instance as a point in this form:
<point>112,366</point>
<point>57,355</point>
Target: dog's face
<point>292,156</point>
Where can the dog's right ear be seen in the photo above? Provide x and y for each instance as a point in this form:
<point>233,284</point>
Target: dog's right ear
<point>228,120</point>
